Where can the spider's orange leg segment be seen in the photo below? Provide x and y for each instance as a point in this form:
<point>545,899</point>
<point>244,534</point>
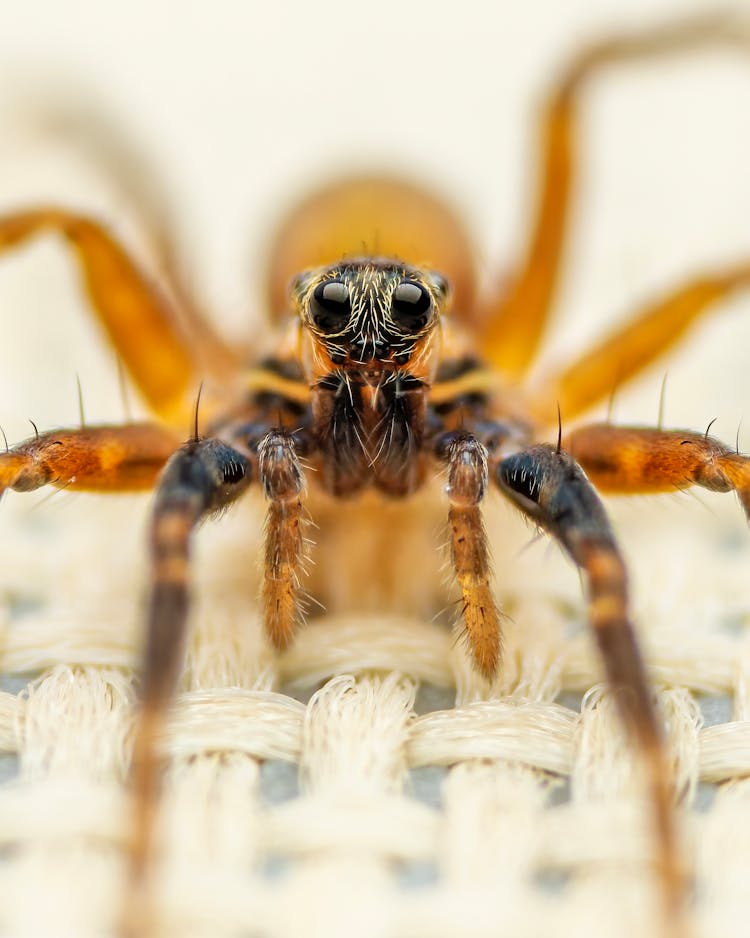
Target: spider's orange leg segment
<point>101,144</point>
<point>100,459</point>
<point>629,460</point>
<point>549,487</point>
<point>514,320</point>
<point>467,480</point>
<point>139,320</point>
<point>201,478</point>
<point>627,350</point>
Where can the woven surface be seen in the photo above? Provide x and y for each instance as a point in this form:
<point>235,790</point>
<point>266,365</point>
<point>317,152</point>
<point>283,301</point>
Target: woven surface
<point>395,800</point>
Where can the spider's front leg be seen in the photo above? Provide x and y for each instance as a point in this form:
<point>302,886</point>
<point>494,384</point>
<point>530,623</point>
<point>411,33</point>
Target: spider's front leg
<point>200,480</point>
<point>550,487</point>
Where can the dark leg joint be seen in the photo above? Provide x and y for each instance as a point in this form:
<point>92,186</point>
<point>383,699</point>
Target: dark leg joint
<point>551,488</point>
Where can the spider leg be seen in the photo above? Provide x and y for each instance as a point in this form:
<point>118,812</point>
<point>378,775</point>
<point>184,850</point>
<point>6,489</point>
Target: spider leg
<point>627,350</point>
<point>549,487</point>
<point>104,146</point>
<point>512,321</point>
<point>200,479</point>
<point>466,459</point>
<point>104,458</point>
<point>141,323</point>
<point>628,460</point>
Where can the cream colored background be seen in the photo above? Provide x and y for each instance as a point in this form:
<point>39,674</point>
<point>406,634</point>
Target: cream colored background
<point>242,106</point>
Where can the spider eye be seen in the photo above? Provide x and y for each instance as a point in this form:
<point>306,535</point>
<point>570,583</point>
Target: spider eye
<point>411,306</point>
<point>331,306</point>
<point>439,284</point>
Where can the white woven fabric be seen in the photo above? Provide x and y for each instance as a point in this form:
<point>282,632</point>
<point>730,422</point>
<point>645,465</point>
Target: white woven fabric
<point>532,824</point>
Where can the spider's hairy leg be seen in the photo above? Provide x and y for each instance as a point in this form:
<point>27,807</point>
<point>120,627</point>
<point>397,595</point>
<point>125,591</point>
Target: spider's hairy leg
<point>282,480</point>
<point>512,322</point>
<point>620,355</point>
<point>625,460</point>
<point>141,323</point>
<point>550,487</point>
<point>99,459</point>
<point>466,459</point>
<point>200,479</point>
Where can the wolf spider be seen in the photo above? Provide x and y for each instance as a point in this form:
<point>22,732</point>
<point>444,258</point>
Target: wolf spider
<point>383,370</point>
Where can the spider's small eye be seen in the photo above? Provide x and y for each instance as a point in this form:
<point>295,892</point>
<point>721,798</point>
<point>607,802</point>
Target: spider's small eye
<point>439,284</point>
<point>411,306</point>
<point>331,306</point>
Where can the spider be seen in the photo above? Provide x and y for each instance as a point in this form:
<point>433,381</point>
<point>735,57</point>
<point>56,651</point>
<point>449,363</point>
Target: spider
<point>388,363</point>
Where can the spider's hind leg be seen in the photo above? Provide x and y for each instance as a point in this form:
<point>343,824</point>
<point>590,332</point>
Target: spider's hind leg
<point>627,350</point>
<point>512,322</point>
<point>151,338</point>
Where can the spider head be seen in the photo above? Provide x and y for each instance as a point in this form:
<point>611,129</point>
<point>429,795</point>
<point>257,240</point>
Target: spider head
<point>370,315</point>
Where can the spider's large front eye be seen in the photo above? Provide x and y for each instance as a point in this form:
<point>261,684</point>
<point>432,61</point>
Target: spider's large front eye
<point>330,306</point>
<point>411,306</point>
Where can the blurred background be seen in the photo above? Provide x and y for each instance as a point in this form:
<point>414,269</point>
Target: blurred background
<point>240,107</point>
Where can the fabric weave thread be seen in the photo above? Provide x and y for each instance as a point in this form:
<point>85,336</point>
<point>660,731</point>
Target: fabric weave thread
<point>350,812</point>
